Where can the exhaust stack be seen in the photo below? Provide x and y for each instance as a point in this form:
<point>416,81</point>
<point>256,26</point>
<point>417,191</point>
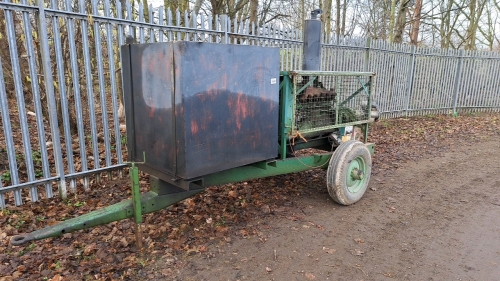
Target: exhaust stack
<point>312,42</point>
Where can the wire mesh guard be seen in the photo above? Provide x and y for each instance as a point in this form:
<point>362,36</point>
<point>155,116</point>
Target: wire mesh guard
<point>327,101</point>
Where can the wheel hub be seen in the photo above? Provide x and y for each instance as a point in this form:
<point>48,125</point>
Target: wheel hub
<point>356,175</point>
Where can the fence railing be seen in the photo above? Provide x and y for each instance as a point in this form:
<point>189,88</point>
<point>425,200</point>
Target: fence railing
<point>60,83</point>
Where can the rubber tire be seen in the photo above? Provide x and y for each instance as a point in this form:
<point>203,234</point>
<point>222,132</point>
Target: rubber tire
<point>336,175</point>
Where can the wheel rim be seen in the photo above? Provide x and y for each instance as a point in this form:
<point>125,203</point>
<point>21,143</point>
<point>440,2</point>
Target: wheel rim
<point>356,177</point>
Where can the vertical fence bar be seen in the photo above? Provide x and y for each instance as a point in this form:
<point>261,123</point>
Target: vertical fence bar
<point>234,31</point>
<point>203,35</point>
<point>436,85</point>
<point>209,27</point>
<point>495,97</point>
<point>90,88</point>
<point>102,87</point>
<point>409,83</point>
<point>152,37</point>
<point>9,141</point>
<point>16,71</point>
<point>479,89</point>
<point>468,70</point>
<point>218,28</point>
<point>194,22</point>
<point>224,22</point>
<point>114,94</point>
<point>366,66</point>
<point>2,197</point>
<point>475,57</point>
<point>49,87</point>
<point>259,33</point>
<point>141,20</point>
<point>37,101</point>
<point>77,94</point>
<point>131,28</point>
<point>246,31</point>
<point>119,28</point>
<point>178,24</point>
<point>120,35</point>
<point>489,87</point>
<point>169,23</point>
<point>450,85</point>
<point>160,22</point>
<point>187,34</point>
<point>458,76</point>
<point>443,82</point>
<point>63,100</point>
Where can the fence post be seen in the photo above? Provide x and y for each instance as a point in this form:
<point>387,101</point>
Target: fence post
<point>409,85</point>
<point>367,53</point>
<point>51,101</point>
<point>458,77</point>
<point>224,19</point>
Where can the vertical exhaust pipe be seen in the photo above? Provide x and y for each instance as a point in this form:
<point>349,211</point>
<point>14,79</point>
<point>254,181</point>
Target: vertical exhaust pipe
<point>312,42</point>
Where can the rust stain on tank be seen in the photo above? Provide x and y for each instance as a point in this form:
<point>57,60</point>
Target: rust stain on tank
<point>239,108</point>
<point>194,127</point>
<point>207,118</point>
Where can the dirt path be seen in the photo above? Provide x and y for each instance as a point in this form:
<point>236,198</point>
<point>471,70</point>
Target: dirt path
<point>437,219</point>
<point>432,213</point>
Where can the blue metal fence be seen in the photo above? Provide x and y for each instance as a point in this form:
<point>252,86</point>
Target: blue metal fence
<point>60,83</point>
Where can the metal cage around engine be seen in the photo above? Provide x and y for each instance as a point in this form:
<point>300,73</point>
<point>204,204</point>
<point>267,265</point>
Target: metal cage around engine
<point>318,106</point>
<point>327,100</point>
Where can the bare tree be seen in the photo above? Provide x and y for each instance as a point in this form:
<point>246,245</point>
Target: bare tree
<point>488,29</point>
<point>401,21</point>
<point>415,22</point>
<point>327,18</point>
<point>476,8</point>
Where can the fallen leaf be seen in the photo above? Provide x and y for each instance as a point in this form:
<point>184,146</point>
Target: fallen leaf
<point>357,252</point>
<point>232,194</point>
<point>56,277</point>
<point>268,269</point>
<point>328,250</point>
<point>310,276</point>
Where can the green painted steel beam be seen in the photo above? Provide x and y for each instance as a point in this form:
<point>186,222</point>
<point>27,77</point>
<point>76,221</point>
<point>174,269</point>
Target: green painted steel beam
<point>286,116</point>
<point>278,167</point>
<point>150,202</point>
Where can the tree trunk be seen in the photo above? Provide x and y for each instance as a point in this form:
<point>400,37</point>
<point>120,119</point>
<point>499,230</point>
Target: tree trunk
<point>337,22</point>
<point>344,12</point>
<point>254,5</point>
<point>415,25</point>
<point>475,12</point>
<point>327,12</point>
<point>145,10</point>
<point>401,21</point>
<point>197,6</point>
<point>392,21</point>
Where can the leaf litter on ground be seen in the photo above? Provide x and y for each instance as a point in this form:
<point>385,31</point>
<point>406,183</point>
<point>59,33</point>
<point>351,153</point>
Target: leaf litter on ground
<point>193,226</point>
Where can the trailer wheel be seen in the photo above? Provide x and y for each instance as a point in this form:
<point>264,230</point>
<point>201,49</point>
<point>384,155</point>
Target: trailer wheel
<point>349,172</point>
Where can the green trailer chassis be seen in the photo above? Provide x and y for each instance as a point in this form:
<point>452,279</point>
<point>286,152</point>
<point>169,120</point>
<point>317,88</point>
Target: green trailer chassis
<point>164,194</point>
